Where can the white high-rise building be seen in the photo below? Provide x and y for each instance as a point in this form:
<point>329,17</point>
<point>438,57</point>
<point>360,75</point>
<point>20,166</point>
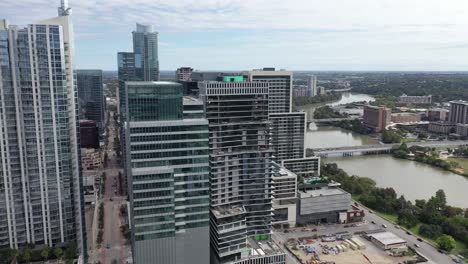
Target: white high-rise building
<point>41,198</point>
<point>312,85</point>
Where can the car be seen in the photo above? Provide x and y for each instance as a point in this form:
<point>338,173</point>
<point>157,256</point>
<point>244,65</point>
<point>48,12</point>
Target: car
<point>286,231</point>
<point>397,227</point>
<point>370,212</point>
<point>373,222</point>
<point>111,199</point>
<point>384,225</point>
<point>419,239</point>
<point>416,245</point>
<point>314,230</point>
<point>408,233</point>
<point>108,246</point>
<point>346,226</point>
<point>441,251</point>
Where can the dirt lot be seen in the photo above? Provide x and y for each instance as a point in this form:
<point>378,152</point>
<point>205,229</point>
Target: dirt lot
<point>373,253</point>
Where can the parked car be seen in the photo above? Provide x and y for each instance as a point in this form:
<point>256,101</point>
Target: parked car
<point>384,225</point>
<point>370,212</point>
<point>373,222</point>
<point>416,245</point>
<point>408,233</point>
<point>419,239</point>
<point>397,227</point>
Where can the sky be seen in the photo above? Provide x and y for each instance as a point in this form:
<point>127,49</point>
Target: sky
<point>317,35</point>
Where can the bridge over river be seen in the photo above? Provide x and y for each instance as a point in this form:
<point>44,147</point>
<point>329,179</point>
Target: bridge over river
<point>380,148</point>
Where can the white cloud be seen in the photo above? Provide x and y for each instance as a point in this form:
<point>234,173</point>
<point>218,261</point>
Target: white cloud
<point>371,31</point>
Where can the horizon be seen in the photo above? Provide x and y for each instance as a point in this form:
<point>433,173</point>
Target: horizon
<point>360,36</point>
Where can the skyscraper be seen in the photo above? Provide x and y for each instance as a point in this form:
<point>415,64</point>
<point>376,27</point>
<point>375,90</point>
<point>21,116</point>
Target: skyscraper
<point>458,112</point>
<point>287,135</point>
<point>240,165</point>
<point>312,86</point>
<point>90,96</point>
<point>168,170</point>
<point>145,44</point>
<point>280,88</point>
<point>41,199</point>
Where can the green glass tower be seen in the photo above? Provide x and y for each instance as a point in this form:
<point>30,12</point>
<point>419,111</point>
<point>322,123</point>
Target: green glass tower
<point>167,161</point>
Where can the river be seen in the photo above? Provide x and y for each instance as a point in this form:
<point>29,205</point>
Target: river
<point>413,180</point>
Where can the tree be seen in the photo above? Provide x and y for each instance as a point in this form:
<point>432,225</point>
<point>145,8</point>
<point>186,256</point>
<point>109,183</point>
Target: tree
<point>390,137</point>
<point>58,252</point>
<point>441,199</point>
<point>407,218</point>
<point>45,253</point>
<point>26,254</point>
<point>446,242</point>
<point>70,252</point>
<point>430,231</point>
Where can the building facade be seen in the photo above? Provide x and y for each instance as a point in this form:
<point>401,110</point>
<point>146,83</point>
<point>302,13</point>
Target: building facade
<point>407,99</point>
<point>184,74</point>
<point>458,112</point>
<point>405,117</point>
<point>91,97</point>
<point>240,165</point>
<point>287,135</point>
<point>376,117</point>
<point>322,204</point>
<point>41,200</point>
<point>280,88</point>
<point>462,130</point>
<point>285,197</point>
<point>437,114</point>
<point>303,167</point>
<point>442,127</point>
<point>168,171</point>
<point>312,85</point>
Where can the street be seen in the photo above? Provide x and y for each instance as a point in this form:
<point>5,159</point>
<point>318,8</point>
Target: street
<point>114,248</point>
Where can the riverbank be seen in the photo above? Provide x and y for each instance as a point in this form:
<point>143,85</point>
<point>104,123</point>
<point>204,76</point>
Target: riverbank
<point>430,219</point>
<point>432,158</point>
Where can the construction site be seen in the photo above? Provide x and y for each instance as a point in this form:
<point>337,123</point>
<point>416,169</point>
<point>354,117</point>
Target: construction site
<point>343,249</point>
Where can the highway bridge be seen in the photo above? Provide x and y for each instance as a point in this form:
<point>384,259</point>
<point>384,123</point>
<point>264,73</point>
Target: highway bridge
<point>380,149</point>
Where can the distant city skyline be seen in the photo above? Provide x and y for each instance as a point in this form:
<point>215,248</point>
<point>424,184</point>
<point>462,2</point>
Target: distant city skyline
<point>396,35</point>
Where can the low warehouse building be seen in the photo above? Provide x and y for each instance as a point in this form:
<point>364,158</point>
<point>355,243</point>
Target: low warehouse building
<point>387,240</point>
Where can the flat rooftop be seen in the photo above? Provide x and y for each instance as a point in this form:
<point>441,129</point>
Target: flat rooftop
<point>264,247</point>
<point>190,100</point>
<point>321,192</point>
<point>387,238</point>
<point>221,212</point>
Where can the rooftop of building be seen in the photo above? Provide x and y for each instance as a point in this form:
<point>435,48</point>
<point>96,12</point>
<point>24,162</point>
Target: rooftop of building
<point>387,238</point>
<point>405,114</point>
<point>190,100</point>
<point>405,95</point>
<point>220,212</point>
<point>459,102</point>
<point>326,191</point>
<point>264,247</point>
<point>151,83</point>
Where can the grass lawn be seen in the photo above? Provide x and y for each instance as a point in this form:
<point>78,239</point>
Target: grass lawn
<point>462,162</point>
<point>389,217</point>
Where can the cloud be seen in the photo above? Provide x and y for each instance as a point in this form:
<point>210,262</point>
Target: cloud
<point>367,31</point>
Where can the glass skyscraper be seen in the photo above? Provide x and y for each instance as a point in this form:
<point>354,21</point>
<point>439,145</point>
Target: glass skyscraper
<point>168,172</point>
<point>41,198</point>
<point>90,96</point>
